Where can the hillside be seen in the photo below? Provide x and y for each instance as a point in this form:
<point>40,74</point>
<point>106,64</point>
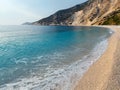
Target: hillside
<point>112,19</point>
<point>62,17</point>
<point>91,12</point>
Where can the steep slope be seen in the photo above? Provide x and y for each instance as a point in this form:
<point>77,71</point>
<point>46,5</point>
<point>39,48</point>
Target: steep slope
<point>112,19</point>
<point>62,17</point>
<point>95,12</point>
<point>92,12</point>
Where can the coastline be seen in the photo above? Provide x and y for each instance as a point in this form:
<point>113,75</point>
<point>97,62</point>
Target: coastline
<point>104,74</point>
<point>60,78</point>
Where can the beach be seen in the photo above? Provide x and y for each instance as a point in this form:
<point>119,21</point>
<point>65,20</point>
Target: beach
<point>48,57</point>
<point>57,66</point>
<point>105,73</point>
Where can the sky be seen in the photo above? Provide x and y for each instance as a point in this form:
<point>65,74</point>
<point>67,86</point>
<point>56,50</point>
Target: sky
<point>16,12</point>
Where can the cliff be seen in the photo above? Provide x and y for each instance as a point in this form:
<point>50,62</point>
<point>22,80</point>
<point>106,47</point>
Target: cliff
<point>91,12</point>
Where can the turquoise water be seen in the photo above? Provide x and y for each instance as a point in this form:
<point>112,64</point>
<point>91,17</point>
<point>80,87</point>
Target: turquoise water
<point>38,56</point>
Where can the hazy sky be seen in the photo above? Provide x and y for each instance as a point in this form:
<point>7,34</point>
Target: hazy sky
<point>14,12</point>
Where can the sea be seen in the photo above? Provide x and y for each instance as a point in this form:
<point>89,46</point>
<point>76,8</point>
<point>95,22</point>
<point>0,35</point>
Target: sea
<point>48,57</point>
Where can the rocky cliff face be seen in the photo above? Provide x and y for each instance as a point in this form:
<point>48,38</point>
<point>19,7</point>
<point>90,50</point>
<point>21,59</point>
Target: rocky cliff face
<point>62,17</point>
<point>111,19</point>
<point>92,12</point>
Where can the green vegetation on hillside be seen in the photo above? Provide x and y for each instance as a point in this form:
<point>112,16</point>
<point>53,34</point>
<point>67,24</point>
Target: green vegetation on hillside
<point>113,19</point>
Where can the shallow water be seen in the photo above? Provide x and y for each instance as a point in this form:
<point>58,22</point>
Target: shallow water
<point>47,57</point>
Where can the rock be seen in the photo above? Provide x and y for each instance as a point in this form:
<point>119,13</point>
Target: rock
<point>91,12</point>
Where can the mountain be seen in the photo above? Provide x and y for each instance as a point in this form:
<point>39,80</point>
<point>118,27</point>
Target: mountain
<point>91,12</point>
<point>112,19</point>
<point>27,23</point>
<point>62,17</point>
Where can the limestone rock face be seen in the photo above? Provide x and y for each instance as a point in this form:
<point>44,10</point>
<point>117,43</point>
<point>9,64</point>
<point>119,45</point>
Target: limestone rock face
<point>91,12</point>
<point>62,17</point>
<point>95,12</point>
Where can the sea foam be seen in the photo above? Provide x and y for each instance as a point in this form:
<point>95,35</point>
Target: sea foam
<point>62,79</point>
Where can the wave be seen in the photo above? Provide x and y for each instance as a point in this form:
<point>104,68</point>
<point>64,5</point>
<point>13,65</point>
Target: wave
<point>62,79</point>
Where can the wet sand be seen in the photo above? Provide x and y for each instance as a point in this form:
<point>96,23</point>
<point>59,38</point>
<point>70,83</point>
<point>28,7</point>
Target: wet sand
<point>105,73</point>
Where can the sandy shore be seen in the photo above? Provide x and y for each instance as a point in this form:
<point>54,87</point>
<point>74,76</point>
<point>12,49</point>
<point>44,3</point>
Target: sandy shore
<point>105,73</point>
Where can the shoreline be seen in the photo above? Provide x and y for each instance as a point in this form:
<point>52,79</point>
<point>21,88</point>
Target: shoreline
<point>101,75</point>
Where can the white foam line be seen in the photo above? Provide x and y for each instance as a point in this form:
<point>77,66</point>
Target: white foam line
<point>62,79</point>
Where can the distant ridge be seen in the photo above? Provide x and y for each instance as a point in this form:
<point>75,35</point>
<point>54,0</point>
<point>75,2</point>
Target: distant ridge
<point>91,12</point>
<point>27,23</point>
